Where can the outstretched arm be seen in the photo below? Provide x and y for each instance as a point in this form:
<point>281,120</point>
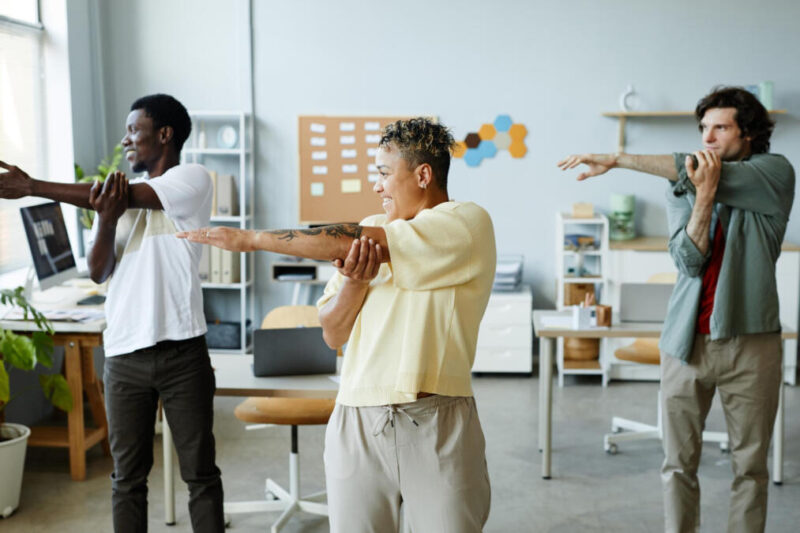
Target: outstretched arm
<point>325,243</point>
<point>657,165</point>
<point>16,183</point>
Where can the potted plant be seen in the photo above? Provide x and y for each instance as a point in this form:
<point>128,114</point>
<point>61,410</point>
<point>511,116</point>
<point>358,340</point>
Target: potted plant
<point>107,166</point>
<point>23,352</point>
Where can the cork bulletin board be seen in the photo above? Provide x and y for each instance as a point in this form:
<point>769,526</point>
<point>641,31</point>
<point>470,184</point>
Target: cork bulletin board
<point>337,167</point>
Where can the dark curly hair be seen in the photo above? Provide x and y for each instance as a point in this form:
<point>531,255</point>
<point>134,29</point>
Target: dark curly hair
<point>752,117</point>
<point>165,110</point>
<point>420,140</point>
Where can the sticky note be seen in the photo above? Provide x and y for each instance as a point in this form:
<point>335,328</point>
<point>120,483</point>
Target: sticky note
<point>349,153</point>
<point>318,128</point>
<point>317,141</point>
<point>317,188</point>
<point>319,155</point>
<point>347,126</point>
<point>349,169</point>
<point>319,169</point>
<point>373,138</point>
<point>372,126</point>
<point>372,152</point>
<point>372,167</point>
<point>351,186</point>
<point>372,178</point>
<point>347,139</point>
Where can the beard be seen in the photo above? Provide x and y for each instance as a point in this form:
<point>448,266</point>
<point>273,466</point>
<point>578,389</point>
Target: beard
<point>138,166</point>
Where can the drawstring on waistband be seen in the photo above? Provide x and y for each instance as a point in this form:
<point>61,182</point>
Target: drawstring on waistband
<point>388,418</point>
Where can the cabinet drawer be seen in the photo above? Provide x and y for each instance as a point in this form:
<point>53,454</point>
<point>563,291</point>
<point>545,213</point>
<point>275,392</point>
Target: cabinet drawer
<point>508,311</point>
<point>505,335</point>
<point>503,360</point>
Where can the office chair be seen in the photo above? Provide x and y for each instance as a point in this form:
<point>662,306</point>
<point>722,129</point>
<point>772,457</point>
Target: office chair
<point>292,412</point>
<point>646,352</point>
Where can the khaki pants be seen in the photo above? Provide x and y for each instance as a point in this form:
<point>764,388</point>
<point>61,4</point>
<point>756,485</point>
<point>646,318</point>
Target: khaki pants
<point>429,455</point>
<point>747,371</point>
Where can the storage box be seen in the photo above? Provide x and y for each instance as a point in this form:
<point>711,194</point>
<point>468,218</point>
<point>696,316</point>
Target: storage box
<point>224,335</point>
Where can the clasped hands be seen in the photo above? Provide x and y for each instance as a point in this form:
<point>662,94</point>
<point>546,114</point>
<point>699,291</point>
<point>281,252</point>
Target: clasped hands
<point>110,198</point>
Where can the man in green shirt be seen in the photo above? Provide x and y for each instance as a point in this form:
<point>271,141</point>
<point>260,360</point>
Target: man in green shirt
<point>727,209</point>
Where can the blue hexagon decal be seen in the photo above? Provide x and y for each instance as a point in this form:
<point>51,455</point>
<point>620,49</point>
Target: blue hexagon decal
<point>487,149</point>
<point>502,123</point>
<point>473,157</point>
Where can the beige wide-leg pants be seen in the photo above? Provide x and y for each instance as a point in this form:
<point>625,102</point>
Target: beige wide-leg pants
<point>747,372</point>
<point>429,455</point>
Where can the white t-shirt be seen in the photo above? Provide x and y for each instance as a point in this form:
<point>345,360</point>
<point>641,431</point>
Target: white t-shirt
<point>154,293</point>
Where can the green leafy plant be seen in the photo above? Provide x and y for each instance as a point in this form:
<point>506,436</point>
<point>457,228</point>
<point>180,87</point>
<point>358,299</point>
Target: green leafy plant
<point>107,166</point>
<point>24,352</point>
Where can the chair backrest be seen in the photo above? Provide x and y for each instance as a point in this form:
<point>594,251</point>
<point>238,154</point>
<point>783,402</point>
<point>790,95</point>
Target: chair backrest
<point>290,316</point>
<point>663,277</point>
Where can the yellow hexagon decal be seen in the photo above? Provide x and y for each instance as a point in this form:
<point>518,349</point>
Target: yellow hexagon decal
<point>487,132</point>
<point>459,148</point>
<point>517,149</point>
<point>517,132</point>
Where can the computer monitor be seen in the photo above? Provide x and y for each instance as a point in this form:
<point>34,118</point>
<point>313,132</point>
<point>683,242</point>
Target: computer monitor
<point>49,244</point>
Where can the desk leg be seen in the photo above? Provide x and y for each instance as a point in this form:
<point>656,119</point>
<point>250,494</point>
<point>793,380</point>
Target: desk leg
<point>777,438</point>
<point>169,472</point>
<point>75,422</point>
<point>95,395</point>
<point>545,402</point>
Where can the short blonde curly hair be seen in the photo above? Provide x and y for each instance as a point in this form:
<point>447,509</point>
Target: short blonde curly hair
<point>421,140</point>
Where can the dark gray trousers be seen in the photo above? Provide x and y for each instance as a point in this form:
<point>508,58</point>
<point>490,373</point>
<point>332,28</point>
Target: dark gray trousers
<point>180,373</point>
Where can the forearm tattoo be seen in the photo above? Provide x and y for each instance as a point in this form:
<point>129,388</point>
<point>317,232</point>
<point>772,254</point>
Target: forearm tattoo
<point>350,231</point>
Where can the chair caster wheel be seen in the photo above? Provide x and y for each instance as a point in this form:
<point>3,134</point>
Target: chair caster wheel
<point>724,447</point>
<point>227,521</point>
<point>616,429</point>
<point>611,449</point>
<point>270,496</point>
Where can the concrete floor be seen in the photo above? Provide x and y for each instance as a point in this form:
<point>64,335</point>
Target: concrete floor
<point>590,490</point>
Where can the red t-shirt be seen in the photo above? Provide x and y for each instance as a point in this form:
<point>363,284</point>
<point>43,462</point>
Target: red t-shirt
<point>710,278</point>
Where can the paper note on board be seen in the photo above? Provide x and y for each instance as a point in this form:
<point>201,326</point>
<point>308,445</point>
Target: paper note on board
<point>349,153</point>
<point>373,138</point>
<point>317,188</point>
<point>372,167</point>
<point>351,186</point>
<point>317,128</point>
<point>372,178</point>
<point>347,126</point>
<point>319,155</point>
<point>349,169</point>
<point>347,139</point>
<point>372,151</point>
<point>317,141</point>
<point>372,126</point>
<point>319,169</point>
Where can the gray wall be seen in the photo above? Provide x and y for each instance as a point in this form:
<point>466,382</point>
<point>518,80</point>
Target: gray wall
<point>552,66</point>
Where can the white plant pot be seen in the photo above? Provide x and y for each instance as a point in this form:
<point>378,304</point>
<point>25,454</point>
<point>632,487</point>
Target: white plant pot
<point>12,463</point>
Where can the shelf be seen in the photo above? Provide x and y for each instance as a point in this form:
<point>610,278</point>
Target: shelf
<point>236,351</point>
<point>214,151</point>
<point>569,219</point>
<point>585,279</point>
<point>585,252</point>
<point>236,219</point>
<point>216,114</point>
<point>622,116</point>
<point>237,286</point>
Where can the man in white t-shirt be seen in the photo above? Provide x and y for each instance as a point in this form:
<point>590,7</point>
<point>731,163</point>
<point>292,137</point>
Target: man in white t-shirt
<point>154,342</point>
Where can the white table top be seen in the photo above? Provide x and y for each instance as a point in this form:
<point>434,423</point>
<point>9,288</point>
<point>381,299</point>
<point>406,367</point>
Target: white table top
<point>234,374</point>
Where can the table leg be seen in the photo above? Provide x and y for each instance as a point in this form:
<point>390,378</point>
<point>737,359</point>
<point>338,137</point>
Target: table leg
<point>777,438</point>
<point>545,402</point>
<point>94,394</point>
<point>169,472</point>
<point>75,422</point>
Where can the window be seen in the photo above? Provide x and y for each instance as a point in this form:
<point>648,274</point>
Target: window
<point>22,126</point>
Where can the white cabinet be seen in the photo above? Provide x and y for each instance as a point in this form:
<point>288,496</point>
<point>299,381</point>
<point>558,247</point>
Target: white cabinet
<point>222,141</point>
<point>505,336</point>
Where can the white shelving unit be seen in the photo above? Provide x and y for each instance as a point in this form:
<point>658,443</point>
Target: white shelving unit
<point>203,148</point>
<point>580,266</point>
<point>505,336</point>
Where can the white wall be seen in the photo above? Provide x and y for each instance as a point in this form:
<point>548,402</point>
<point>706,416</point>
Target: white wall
<point>552,66</point>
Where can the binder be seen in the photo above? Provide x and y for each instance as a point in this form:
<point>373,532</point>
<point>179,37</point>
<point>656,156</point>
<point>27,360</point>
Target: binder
<point>230,266</point>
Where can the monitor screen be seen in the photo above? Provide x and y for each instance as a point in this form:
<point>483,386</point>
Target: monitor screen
<point>49,243</point>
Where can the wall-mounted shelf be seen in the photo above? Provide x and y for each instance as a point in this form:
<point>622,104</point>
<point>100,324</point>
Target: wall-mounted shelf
<point>623,116</point>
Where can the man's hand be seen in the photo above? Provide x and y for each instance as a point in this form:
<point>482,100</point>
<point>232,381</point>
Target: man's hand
<point>706,176</point>
<point>234,239</point>
<point>15,183</point>
<point>110,199</point>
<point>597,163</point>
<point>362,263</point>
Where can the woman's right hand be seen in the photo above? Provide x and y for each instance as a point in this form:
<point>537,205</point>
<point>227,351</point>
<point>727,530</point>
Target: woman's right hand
<point>362,263</point>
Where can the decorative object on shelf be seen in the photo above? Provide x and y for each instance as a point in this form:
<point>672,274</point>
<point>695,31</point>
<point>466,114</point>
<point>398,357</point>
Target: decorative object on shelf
<point>621,218</point>
<point>502,134</point>
<point>201,136</point>
<point>603,313</point>
<point>582,210</point>
<point>227,137</point>
<point>629,99</point>
<point>575,242</point>
<point>765,94</point>
<point>508,274</point>
<point>107,166</point>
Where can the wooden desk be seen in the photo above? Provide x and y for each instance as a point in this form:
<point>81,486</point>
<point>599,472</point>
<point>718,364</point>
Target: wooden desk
<point>79,341</point>
<point>624,329</point>
<point>234,377</point>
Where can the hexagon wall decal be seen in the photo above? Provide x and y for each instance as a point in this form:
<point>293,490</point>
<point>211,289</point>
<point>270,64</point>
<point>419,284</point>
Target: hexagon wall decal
<point>501,134</point>
<point>472,140</point>
<point>487,132</point>
<point>487,149</point>
<point>502,122</point>
<point>473,157</point>
<point>459,148</point>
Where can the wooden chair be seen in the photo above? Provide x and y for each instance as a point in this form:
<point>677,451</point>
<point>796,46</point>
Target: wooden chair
<point>646,352</point>
<point>292,412</point>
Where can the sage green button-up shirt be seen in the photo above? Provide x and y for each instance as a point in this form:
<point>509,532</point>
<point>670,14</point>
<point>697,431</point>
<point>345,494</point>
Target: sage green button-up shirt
<point>753,201</point>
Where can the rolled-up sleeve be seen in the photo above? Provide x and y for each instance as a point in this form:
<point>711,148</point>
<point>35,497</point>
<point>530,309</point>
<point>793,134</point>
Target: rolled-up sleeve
<point>688,259</point>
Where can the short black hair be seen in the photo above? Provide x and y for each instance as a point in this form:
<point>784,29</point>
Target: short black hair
<point>165,110</point>
<point>421,140</point>
<point>751,117</point>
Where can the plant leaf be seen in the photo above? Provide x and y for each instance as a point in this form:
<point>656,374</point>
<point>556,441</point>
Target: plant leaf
<point>43,343</point>
<point>5,388</point>
<point>56,389</point>
<point>18,351</point>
